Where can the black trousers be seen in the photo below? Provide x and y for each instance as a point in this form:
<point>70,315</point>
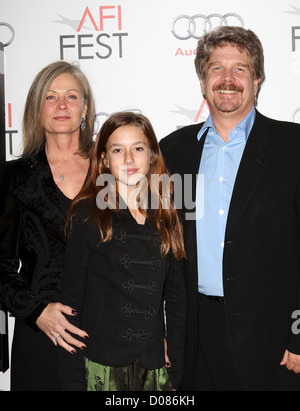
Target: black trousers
<point>34,360</point>
<point>216,370</point>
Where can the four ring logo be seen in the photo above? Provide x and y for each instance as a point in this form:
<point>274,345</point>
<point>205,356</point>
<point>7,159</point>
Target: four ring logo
<point>296,116</point>
<point>12,33</point>
<point>184,27</point>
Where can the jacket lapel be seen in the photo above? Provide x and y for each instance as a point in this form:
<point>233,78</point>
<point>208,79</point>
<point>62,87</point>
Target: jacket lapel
<point>252,166</point>
<point>47,187</point>
<point>190,168</point>
<point>195,161</point>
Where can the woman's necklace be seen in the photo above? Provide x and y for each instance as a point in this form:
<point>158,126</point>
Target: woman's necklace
<point>61,175</point>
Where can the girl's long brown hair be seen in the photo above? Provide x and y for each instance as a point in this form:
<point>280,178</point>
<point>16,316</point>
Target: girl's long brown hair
<point>165,220</point>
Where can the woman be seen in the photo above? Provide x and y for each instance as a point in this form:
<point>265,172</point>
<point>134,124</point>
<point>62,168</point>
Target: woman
<point>123,267</point>
<point>36,191</point>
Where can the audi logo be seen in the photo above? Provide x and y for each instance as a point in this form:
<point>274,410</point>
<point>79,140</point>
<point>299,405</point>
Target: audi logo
<point>186,27</point>
<point>11,31</point>
<point>295,115</point>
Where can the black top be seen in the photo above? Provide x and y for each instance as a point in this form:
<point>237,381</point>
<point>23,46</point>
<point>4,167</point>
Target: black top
<point>32,246</point>
<point>119,289</point>
<point>32,220</point>
<point>64,201</point>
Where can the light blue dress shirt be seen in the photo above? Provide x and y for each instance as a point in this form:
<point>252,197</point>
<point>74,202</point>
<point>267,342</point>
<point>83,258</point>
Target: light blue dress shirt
<point>219,164</point>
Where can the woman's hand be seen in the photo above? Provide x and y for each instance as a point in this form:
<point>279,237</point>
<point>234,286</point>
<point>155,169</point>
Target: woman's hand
<point>54,324</point>
<point>291,361</point>
<point>167,360</point>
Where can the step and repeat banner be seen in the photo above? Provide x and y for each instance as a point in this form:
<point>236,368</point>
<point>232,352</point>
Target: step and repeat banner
<point>139,55</point>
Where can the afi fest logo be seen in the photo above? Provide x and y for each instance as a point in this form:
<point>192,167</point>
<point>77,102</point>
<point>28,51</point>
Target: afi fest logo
<point>10,35</point>
<point>295,29</point>
<point>107,39</point>
<point>295,46</point>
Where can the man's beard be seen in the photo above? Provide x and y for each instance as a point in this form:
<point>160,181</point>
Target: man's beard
<point>228,103</point>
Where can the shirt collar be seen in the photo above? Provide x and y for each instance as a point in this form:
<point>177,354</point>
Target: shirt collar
<point>245,125</point>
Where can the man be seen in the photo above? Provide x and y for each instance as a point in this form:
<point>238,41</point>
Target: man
<point>243,253</point>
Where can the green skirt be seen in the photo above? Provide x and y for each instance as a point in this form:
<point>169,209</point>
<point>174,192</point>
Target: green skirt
<point>130,378</point>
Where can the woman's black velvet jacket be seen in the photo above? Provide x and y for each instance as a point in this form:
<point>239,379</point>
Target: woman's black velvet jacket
<point>32,241</point>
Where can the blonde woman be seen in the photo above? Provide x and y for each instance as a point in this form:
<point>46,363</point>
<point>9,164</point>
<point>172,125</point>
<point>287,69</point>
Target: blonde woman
<point>36,191</point>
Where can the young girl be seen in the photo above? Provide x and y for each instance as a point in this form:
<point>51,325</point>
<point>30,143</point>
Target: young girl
<point>123,268</point>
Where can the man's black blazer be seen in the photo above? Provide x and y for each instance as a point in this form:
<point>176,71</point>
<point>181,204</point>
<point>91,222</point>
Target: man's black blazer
<point>261,261</point>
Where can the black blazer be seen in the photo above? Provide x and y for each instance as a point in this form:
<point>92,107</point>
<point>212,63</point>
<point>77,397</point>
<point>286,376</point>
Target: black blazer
<point>31,237</point>
<point>261,262</point>
<point>119,289</point>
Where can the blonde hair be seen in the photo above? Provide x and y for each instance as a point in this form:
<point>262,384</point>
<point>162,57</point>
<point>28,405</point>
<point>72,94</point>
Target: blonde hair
<point>33,131</point>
